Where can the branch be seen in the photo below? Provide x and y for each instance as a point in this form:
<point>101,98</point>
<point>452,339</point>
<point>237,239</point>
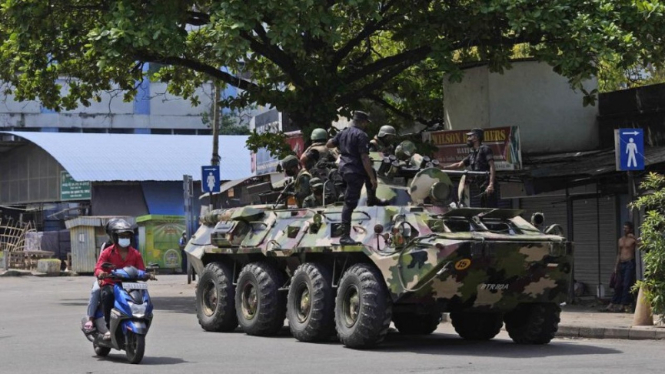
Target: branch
<point>275,54</point>
<point>369,29</point>
<point>407,58</point>
<point>381,101</point>
<point>211,71</point>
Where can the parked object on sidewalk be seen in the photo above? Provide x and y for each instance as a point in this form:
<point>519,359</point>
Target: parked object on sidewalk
<point>643,315</point>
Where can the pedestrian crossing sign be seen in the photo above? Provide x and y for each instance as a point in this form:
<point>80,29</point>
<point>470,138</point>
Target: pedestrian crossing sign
<point>629,149</point>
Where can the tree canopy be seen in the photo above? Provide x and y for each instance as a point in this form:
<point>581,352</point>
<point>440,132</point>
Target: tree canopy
<point>313,59</point>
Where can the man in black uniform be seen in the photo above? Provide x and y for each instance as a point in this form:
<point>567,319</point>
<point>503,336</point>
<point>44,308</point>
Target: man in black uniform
<point>355,167</point>
<point>480,158</point>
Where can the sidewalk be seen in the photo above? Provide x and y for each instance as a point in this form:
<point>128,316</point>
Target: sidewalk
<point>584,320</point>
<point>589,321</point>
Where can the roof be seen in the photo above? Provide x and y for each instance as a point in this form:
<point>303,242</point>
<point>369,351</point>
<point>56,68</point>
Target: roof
<point>590,163</point>
<point>141,157</point>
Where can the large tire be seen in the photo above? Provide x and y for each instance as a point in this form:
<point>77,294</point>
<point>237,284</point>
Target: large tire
<point>260,306</point>
<point>135,347</point>
<point>310,306</point>
<point>477,326</point>
<point>215,299</point>
<point>101,351</point>
<point>533,323</point>
<point>363,309</point>
<point>408,323</point>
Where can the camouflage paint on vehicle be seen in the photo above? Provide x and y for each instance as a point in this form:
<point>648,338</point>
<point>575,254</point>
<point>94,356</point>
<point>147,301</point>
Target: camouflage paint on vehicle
<point>456,259</point>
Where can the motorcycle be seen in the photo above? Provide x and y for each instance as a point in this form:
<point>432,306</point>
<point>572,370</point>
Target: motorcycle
<point>131,315</point>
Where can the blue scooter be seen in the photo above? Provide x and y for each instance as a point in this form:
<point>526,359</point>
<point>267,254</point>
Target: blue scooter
<point>131,315</point>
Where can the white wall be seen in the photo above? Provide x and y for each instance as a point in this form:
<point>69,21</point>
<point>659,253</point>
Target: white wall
<point>549,113</point>
<point>166,112</point>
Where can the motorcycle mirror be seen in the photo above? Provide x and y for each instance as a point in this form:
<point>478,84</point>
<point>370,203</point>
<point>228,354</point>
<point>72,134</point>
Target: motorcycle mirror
<point>108,266</point>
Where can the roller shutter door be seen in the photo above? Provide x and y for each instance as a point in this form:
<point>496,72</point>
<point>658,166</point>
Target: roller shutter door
<point>594,259</point>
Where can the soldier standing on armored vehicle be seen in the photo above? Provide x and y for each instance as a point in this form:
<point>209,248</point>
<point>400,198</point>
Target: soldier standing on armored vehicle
<point>355,167</point>
<point>480,158</point>
<point>291,167</point>
<point>383,141</point>
<point>319,137</point>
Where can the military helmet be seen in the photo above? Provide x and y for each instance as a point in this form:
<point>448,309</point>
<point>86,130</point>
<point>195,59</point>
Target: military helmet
<point>289,162</point>
<point>316,183</point>
<point>405,150</point>
<point>386,130</point>
<point>319,135</point>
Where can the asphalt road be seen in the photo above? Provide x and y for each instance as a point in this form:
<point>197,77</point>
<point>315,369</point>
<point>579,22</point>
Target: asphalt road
<point>40,333</point>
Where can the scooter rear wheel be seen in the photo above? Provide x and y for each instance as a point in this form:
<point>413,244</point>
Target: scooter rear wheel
<point>135,347</point>
<point>101,351</point>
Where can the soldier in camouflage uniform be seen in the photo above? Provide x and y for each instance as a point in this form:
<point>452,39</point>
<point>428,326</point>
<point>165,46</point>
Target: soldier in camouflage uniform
<point>383,141</point>
<point>317,152</point>
<point>292,168</point>
<point>314,200</point>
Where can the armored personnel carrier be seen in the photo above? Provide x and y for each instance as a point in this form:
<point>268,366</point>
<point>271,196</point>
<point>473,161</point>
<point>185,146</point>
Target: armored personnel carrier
<point>259,265</point>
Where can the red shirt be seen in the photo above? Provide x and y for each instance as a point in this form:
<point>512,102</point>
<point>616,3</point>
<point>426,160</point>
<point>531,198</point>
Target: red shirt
<point>111,254</point>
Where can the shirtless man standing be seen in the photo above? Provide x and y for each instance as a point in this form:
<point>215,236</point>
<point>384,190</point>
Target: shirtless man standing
<point>625,271</point>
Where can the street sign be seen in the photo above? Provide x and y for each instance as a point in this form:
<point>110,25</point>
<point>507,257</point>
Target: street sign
<point>73,190</point>
<point>629,149</point>
<point>210,179</point>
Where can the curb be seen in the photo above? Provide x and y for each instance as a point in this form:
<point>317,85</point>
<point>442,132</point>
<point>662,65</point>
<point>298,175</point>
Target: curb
<point>24,273</point>
<point>631,333</point>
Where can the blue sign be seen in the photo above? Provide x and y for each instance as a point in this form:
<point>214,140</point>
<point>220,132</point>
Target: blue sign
<point>210,179</point>
<point>629,149</point>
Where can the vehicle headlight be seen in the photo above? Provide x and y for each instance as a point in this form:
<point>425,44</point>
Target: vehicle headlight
<point>138,310</point>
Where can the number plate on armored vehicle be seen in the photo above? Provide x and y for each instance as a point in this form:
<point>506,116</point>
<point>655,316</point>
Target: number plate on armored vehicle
<point>134,286</point>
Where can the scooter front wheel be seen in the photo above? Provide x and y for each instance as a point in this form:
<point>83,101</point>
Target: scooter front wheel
<point>135,347</point>
<point>101,351</point>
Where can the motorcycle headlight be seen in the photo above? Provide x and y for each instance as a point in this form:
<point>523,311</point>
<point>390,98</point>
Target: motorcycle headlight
<point>138,310</point>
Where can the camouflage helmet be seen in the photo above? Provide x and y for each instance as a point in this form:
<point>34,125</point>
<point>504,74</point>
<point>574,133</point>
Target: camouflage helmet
<point>316,184</point>
<point>386,130</point>
<point>289,162</point>
<point>319,135</point>
<point>405,150</point>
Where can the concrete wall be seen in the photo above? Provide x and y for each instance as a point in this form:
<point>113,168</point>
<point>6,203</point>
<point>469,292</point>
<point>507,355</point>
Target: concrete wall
<point>549,113</point>
<point>153,108</point>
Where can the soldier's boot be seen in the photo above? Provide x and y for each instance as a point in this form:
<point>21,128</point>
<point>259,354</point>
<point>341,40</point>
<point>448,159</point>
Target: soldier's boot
<point>345,239</point>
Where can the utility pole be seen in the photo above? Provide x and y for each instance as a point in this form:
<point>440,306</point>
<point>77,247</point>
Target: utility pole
<point>215,135</point>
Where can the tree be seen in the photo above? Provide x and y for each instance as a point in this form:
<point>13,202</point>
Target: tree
<point>653,241</point>
<point>313,59</point>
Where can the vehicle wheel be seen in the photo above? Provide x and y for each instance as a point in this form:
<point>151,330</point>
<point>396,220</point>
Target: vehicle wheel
<point>260,306</point>
<point>310,306</point>
<point>477,326</point>
<point>363,309</point>
<point>101,351</point>
<point>215,299</point>
<point>135,347</point>
<point>533,323</point>
<point>408,323</point>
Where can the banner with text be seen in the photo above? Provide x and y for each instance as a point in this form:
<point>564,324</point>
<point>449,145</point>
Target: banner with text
<point>504,142</point>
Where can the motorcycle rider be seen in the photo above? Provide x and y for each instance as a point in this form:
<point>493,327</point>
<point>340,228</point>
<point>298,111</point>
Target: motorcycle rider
<point>95,293</point>
<point>120,254</point>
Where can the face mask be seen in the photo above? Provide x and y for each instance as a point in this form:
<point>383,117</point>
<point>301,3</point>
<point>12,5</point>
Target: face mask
<point>291,172</point>
<point>124,242</point>
<point>469,143</point>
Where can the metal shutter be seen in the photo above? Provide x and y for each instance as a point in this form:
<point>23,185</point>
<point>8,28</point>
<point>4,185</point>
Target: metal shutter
<point>594,259</point>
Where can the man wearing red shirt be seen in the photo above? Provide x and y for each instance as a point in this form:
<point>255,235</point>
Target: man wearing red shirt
<point>120,254</point>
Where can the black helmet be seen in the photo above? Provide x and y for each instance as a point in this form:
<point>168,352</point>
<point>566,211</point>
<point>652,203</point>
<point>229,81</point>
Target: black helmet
<point>107,228</point>
<point>119,226</point>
